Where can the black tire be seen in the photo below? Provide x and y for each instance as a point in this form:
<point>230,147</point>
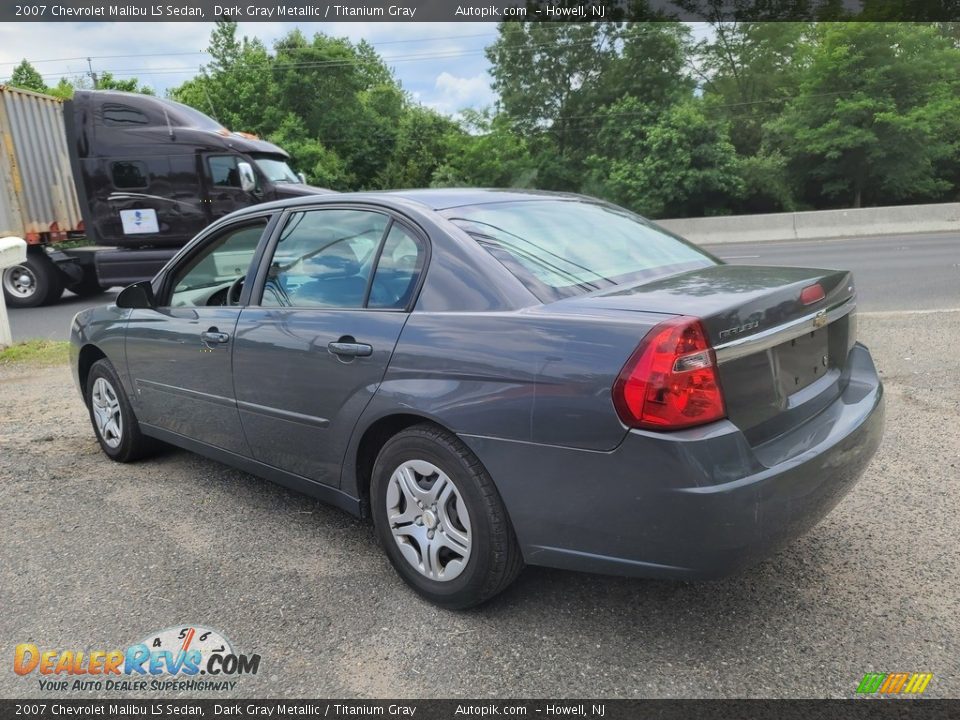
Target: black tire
<point>494,559</point>
<point>88,286</point>
<point>40,280</point>
<point>133,444</point>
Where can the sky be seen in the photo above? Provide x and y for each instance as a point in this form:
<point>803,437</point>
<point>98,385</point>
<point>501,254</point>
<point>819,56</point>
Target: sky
<point>442,65</point>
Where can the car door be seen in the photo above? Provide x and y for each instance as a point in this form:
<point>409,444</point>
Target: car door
<point>308,357</point>
<point>224,192</point>
<point>178,354</point>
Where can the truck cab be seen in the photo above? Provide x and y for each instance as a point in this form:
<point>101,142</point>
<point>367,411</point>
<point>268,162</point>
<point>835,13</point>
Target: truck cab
<point>151,173</point>
<point>148,174</point>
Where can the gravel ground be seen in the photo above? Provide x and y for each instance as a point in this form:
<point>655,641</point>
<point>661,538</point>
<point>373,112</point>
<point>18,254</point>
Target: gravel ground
<point>96,555</point>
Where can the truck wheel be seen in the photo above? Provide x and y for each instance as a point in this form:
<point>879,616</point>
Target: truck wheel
<point>87,287</point>
<point>33,282</point>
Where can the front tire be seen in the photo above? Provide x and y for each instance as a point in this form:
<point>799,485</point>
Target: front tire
<point>34,282</point>
<point>114,422</point>
<point>441,520</point>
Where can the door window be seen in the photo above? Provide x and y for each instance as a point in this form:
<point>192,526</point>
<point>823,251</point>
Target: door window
<point>224,171</point>
<point>324,258</point>
<point>214,276</point>
<point>398,269</point>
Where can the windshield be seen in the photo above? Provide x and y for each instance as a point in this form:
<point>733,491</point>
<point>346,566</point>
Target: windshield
<point>559,248</point>
<point>276,170</point>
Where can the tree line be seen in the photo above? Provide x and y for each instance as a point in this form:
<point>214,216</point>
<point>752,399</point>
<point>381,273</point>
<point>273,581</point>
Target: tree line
<point>752,117</point>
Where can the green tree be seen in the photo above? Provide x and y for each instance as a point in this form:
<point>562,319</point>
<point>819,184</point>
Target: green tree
<point>876,116</point>
<point>237,87</point>
<point>487,154</point>
<point>423,143</point>
<point>749,71</point>
<point>674,164</point>
<point>26,76</point>
<point>322,166</point>
<point>106,81</point>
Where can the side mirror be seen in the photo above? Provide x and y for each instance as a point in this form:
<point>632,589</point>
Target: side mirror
<point>138,296</point>
<point>303,178</point>
<point>248,181</point>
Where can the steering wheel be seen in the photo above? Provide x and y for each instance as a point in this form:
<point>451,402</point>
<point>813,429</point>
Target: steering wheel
<point>233,293</point>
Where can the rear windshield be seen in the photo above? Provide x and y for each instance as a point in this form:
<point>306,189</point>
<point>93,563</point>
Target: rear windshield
<point>560,248</point>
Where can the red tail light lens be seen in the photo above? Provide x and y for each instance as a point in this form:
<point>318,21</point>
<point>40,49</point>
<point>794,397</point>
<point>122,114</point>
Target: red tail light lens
<point>670,381</point>
<point>811,294</point>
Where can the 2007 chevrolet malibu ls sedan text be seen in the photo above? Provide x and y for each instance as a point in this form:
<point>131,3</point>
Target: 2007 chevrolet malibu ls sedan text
<point>497,378</point>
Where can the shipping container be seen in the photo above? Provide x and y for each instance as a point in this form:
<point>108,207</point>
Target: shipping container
<point>37,192</point>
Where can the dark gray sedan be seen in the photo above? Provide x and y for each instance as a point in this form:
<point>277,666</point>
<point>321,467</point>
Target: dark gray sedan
<point>497,378</point>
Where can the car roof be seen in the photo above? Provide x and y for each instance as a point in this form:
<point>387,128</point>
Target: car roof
<point>431,199</point>
<point>445,198</point>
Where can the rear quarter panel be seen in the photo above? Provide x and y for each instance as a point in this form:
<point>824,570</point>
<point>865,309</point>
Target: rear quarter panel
<point>528,376</point>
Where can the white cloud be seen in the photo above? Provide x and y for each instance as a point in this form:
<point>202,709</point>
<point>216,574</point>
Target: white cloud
<point>455,93</point>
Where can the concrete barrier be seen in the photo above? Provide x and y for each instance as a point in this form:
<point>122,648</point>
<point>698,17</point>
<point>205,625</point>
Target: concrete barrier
<point>819,224</point>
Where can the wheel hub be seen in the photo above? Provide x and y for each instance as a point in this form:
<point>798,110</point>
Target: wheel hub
<point>19,280</point>
<point>429,520</point>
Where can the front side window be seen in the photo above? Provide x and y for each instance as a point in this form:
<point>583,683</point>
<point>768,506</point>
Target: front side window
<point>214,275</point>
<point>560,248</point>
<point>224,171</point>
<point>324,258</point>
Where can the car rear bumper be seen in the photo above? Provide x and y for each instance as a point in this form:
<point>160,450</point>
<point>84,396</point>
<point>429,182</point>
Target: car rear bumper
<point>698,503</point>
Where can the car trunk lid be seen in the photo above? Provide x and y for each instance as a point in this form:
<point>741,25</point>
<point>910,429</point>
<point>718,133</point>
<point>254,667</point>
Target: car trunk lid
<point>781,353</point>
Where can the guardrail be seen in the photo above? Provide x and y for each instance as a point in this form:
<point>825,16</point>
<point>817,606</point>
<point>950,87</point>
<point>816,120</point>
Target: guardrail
<point>819,224</point>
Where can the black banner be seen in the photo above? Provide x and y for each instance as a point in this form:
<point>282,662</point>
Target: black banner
<point>476,10</point>
<point>453,709</point>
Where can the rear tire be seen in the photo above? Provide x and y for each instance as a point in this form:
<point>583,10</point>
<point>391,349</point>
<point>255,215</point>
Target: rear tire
<point>34,282</point>
<point>114,422</point>
<point>441,520</point>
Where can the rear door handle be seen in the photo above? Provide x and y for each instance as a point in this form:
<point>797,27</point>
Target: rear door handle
<point>350,349</point>
<point>213,336</point>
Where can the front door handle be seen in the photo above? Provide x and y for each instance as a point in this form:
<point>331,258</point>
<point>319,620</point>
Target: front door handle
<point>350,349</point>
<point>214,336</point>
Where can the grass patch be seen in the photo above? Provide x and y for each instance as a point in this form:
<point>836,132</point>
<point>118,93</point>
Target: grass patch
<point>35,352</point>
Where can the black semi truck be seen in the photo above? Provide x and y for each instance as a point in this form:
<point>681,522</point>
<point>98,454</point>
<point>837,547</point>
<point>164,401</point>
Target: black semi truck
<point>135,175</point>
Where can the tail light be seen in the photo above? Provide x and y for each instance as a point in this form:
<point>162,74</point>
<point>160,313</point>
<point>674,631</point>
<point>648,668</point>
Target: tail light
<point>671,380</point>
<point>811,294</point>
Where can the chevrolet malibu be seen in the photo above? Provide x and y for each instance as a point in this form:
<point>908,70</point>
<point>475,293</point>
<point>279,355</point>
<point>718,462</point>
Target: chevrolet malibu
<point>497,378</point>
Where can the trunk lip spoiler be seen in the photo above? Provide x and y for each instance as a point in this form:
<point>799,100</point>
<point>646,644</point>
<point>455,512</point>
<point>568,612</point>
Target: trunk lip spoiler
<point>767,339</point>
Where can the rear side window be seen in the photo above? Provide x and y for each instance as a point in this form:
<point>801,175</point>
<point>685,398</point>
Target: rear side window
<point>130,175</point>
<point>324,258</point>
<point>398,269</point>
<point>561,248</point>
